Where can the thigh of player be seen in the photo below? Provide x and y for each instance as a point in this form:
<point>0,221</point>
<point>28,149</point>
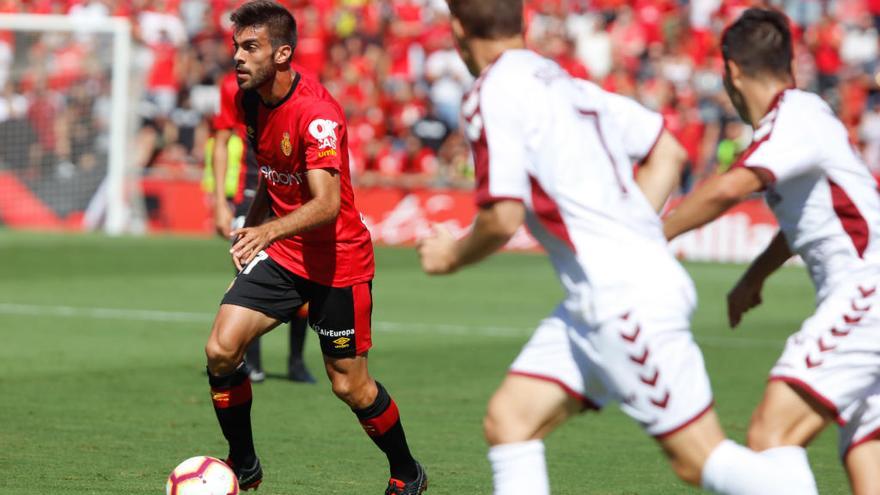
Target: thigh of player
<point>261,296</point>
<point>341,316</point>
<point>652,365</point>
<point>547,383</point>
<point>860,444</point>
<point>828,366</point>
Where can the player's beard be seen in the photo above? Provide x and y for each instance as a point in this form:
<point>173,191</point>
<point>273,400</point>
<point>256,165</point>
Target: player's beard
<point>737,98</point>
<point>258,77</point>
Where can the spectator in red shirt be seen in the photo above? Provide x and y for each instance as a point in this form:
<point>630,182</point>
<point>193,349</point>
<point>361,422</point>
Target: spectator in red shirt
<point>825,39</point>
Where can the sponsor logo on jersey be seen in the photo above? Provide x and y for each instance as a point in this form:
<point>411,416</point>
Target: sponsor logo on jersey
<point>341,342</point>
<point>282,178</point>
<point>322,154</point>
<point>325,332</point>
<point>324,131</point>
<point>286,147</point>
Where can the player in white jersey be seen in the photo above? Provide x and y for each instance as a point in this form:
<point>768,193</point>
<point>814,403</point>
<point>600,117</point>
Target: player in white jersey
<point>828,209</point>
<point>558,153</point>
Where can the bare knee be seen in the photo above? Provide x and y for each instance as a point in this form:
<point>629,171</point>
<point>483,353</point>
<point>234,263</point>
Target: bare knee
<point>222,359</point>
<point>761,435</point>
<point>689,449</point>
<point>687,470</point>
<point>502,425</point>
<point>357,393</point>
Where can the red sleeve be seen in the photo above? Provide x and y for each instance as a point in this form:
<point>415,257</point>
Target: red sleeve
<point>229,115</point>
<point>322,133</point>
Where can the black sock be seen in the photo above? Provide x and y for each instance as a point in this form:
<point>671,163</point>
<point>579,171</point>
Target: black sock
<point>381,421</point>
<point>232,399</point>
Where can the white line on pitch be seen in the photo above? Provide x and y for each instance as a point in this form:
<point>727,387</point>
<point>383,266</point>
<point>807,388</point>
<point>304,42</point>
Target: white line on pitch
<point>386,326</point>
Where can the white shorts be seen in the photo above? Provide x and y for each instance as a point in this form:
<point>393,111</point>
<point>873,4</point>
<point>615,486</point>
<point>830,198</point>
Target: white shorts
<point>835,359</point>
<point>645,359</point>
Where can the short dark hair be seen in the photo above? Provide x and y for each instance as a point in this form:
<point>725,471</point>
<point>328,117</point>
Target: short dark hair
<point>277,20</point>
<point>759,42</point>
<point>489,19</point>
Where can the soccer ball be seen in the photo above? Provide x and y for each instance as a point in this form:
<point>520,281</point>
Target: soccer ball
<point>202,476</point>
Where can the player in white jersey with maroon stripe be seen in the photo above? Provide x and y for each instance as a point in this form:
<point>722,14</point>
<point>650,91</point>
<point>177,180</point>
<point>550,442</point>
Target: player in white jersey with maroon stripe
<point>557,153</point>
<point>828,209</point>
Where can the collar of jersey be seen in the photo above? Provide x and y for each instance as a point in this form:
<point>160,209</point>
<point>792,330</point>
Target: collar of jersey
<point>774,105</point>
<point>286,97</point>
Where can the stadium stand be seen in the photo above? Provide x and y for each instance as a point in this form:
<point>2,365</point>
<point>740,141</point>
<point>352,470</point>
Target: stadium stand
<point>392,65</point>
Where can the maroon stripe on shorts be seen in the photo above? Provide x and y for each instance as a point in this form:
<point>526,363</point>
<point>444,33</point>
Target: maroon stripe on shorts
<point>363,310</point>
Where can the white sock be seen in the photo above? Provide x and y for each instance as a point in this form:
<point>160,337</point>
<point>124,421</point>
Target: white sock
<point>519,468</point>
<point>792,460</point>
<point>735,470</point>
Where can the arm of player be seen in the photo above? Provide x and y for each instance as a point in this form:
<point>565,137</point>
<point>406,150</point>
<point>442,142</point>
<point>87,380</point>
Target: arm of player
<point>494,225</point>
<point>660,173</point>
<point>222,211</point>
<point>322,209</point>
<point>256,214</point>
<point>710,200</point>
<point>260,206</point>
<point>746,294</point>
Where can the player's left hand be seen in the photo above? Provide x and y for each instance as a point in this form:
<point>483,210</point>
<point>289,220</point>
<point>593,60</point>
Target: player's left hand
<point>248,242</point>
<point>745,295</point>
<point>437,252</point>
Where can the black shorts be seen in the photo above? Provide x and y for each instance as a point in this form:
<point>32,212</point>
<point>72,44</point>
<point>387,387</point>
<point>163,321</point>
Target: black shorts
<point>339,315</point>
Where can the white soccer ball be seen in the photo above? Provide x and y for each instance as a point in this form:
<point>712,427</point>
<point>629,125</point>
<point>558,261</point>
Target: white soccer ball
<point>202,476</point>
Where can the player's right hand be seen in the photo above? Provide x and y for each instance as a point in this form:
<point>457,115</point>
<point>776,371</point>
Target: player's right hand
<point>437,251</point>
<point>222,218</point>
<point>237,262</point>
<point>744,296</point>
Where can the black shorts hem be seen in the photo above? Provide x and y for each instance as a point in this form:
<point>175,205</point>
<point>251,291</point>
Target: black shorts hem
<point>254,307</point>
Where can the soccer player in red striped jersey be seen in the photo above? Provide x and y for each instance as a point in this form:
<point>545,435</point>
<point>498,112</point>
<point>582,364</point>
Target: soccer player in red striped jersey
<point>230,211</point>
<point>828,209</point>
<point>314,250</point>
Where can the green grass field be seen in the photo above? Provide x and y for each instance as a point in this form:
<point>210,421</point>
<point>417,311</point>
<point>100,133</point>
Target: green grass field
<point>102,385</point>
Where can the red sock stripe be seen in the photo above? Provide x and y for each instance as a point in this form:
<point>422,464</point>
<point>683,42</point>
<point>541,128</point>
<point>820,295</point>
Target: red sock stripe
<point>230,397</point>
<point>382,423</point>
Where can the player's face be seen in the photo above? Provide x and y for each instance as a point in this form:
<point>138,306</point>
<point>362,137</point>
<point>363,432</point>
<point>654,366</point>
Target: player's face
<point>254,57</point>
<point>736,96</point>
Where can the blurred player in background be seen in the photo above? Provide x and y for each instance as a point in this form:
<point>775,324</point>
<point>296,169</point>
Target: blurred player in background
<point>557,153</point>
<point>316,250</point>
<point>828,209</point>
<point>235,178</point>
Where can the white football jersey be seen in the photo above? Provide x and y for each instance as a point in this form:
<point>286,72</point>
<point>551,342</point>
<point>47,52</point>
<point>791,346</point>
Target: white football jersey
<point>824,197</point>
<point>566,149</point>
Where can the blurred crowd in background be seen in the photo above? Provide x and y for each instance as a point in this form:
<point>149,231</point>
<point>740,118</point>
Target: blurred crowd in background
<point>393,66</point>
